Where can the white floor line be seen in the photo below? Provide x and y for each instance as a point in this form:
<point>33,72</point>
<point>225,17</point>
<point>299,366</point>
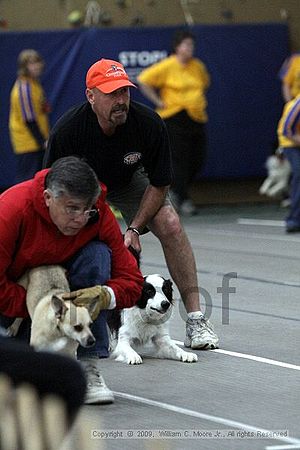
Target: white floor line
<point>264,222</point>
<point>282,447</point>
<point>272,362</point>
<point>243,234</point>
<point>199,415</point>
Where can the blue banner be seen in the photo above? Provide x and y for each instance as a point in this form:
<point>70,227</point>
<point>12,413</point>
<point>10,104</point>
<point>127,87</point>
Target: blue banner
<point>244,101</point>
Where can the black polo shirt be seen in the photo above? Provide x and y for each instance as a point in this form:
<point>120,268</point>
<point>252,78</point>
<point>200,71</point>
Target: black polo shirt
<point>141,141</point>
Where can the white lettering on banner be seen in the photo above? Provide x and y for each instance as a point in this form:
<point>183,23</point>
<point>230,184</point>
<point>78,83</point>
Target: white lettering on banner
<point>143,59</point>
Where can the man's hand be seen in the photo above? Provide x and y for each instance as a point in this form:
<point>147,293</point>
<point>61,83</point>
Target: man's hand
<point>85,297</point>
<point>131,238</point>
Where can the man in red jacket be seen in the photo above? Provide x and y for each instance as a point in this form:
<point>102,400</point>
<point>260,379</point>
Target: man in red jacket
<point>60,217</point>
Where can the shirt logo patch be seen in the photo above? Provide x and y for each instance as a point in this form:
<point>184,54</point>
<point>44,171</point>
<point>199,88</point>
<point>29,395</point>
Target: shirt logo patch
<point>132,158</point>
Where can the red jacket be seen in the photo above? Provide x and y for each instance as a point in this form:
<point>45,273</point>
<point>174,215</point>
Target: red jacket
<point>28,238</point>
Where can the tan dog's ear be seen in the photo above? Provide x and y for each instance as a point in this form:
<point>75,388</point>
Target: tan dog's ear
<point>93,308</point>
<point>59,307</point>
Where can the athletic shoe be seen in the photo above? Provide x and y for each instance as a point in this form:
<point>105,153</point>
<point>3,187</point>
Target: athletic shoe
<point>97,391</point>
<point>200,334</point>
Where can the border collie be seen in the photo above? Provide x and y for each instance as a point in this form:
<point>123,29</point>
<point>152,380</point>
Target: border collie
<point>147,322</point>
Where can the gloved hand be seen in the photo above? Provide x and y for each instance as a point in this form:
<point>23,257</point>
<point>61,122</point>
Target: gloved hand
<point>84,297</point>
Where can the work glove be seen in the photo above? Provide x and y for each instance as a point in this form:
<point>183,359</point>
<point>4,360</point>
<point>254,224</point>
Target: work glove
<point>85,297</point>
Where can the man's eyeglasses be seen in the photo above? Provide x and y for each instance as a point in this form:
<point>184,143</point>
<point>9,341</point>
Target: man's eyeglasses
<point>74,212</point>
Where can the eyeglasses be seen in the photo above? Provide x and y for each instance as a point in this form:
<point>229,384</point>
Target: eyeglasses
<point>74,212</point>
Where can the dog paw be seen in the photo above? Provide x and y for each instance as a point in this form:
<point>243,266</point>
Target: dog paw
<point>134,359</point>
<point>189,357</point>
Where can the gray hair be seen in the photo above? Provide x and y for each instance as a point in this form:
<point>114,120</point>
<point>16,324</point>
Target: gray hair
<point>74,177</point>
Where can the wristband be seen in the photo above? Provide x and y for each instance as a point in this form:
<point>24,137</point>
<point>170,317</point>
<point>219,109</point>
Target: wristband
<point>135,230</point>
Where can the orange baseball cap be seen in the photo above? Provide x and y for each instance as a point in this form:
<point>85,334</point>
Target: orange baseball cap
<point>107,76</point>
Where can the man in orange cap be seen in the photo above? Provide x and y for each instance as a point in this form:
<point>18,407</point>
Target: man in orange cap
<point>127,145</point>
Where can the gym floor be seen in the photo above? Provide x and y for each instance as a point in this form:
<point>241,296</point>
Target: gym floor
<point>243,395</point>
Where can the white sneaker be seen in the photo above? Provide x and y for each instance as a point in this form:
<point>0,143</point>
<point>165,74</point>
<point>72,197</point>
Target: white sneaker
<point>200,334</point>
<point>97,392</point>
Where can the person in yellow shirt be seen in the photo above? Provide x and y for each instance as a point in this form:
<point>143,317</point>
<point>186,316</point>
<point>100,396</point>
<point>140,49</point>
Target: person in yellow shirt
<point>28,117</point>
<point>289,143</point>
<point>177,86</point>
<point>290,77</point>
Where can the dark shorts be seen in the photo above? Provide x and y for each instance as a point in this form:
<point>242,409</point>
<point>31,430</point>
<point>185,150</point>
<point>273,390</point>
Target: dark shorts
<point>128,198</point>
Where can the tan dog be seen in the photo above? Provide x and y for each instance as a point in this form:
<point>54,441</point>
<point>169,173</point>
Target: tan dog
<point>53,318</point>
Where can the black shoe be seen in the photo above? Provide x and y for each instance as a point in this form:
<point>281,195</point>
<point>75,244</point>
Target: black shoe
<point>293,229</point>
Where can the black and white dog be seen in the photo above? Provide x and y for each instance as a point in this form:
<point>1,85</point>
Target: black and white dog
<point>147,322</point>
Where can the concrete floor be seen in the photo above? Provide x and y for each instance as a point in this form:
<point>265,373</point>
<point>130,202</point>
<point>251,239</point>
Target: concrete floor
<point>252,383</point>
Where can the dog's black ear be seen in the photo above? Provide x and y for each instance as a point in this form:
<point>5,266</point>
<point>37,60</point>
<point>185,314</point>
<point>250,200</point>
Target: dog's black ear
<point>58,306</point>
<point>168,290</point>
<point>147,292</point>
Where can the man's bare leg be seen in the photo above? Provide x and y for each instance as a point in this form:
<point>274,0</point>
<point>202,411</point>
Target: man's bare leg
<point>182,267</point>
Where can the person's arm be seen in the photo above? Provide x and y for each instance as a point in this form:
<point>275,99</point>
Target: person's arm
<point>12,295</point>
<point>286,92</point>
<point>124,287</point>
<point>157,164</point>
<point>28,112</point>
<point>151,80</point>
<point>151,94</point>
<point>36,133</point>
<point>288,75</point>
<point>291,124</point>
<point>126,278</point>
<point>151,202</point>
